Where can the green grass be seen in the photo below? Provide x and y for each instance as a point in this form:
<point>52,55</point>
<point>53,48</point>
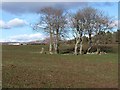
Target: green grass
<point>24,67</point>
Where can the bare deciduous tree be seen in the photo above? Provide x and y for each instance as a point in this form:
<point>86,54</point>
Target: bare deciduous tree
<point>53,21</point>
<point>90,16</point>
<point>59,26</point>
<point>78,22</point>
<point>102,24</point>
<point>46,23</point>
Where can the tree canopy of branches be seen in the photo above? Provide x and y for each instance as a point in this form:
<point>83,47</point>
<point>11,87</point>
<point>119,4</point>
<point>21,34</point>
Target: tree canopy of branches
<point>86,21</point>
<point>89,21</point>
<point>53,21</point>
<point>78,24</point>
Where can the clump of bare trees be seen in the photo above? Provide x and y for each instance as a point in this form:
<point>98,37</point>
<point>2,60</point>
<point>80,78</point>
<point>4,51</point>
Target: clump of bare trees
<point>78,27</point>
<point>53,21</point>
<point>87,21</point>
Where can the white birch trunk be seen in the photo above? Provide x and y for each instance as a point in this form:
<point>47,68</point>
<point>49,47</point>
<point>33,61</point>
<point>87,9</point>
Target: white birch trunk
<point>42,50</point>
<point>81,47</point>
<point>55,47</point>
<point>76,46</point>
<point>50,43</point>
<point>90,43</point>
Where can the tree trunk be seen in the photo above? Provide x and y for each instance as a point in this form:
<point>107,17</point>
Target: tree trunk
<point>76,46</point>
<point>55,47</point>
<point>42,50</point>
<point>90,43</point>
<point>98,48</point>
<point>57,43</point>
<point>50,43</point>
<point>80,46</point>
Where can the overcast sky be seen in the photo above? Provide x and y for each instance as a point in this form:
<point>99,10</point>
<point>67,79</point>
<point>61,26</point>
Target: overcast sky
<point>17,17</point>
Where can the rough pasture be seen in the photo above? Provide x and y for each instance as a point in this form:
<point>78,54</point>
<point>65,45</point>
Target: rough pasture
<point>24,67</point>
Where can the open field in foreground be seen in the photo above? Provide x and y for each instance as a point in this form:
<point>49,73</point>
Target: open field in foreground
<point>24,67</point>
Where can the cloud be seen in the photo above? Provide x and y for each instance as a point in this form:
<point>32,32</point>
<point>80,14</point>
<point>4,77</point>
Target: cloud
<point>2,24</point>
<point>103,4</point>
<point>61,1</point>
<point>28,7</point>
<point>108,3</point>
<point>114,24</point>
<point>25,38</point>
<point>16,22</point>
<point>33,7</point>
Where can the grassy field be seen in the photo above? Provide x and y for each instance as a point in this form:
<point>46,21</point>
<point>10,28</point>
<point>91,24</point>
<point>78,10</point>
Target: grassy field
<point>25,67</point>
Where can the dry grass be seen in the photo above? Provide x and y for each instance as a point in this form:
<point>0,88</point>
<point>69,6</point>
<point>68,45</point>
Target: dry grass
<point>24,69</point>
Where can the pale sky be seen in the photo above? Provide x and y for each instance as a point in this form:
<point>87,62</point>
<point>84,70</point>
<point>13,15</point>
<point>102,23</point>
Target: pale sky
<point>18,16</point>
